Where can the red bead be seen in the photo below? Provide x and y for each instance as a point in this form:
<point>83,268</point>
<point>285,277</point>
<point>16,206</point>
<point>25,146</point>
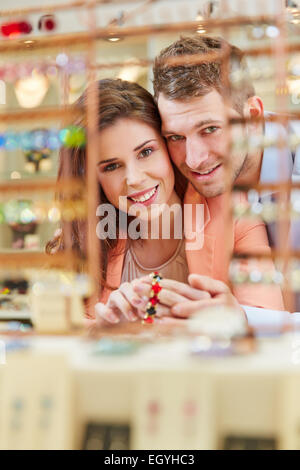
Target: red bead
<point>156,288</point>
<point>148,320</point>
<point>154,300</point>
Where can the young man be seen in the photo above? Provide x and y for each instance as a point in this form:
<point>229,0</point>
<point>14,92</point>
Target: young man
<point>196,102</point>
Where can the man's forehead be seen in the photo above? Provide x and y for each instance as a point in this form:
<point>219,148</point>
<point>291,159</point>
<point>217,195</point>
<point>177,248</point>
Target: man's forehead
<point>208,107</point>
<point>212,100</point>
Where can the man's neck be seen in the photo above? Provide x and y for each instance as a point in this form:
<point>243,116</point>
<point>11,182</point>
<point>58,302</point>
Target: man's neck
<point>250,173</point>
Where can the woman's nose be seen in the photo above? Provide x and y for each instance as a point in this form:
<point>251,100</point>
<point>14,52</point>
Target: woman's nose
<point>134,177</point>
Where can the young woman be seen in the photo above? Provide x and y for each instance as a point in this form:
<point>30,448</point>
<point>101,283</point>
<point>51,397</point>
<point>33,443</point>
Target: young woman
<point>134,169</point>
<point>136,176</point>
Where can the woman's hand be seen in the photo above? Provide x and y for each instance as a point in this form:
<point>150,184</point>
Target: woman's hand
<point>123,304</point>
<point>182,300</point>
<point>172,293</point>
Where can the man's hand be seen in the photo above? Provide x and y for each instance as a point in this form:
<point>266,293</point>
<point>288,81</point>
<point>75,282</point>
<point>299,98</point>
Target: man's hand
<point>172,293</point>
<point>220,294</point>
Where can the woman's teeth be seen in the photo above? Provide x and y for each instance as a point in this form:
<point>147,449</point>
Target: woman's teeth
<point>145,196</point>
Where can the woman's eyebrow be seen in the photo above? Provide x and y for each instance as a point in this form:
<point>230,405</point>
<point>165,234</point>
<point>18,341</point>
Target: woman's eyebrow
<point>142,145</point>
<point>107,161</point>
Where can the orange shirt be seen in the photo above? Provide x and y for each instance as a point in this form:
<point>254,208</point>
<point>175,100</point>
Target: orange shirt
<point>222,236</point>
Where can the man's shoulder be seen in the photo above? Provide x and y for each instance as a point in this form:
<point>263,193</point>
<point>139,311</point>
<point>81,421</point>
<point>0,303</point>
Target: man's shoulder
<point>272,170</point>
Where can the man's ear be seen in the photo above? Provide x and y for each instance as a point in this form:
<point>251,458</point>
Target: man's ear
<point>254,107</point>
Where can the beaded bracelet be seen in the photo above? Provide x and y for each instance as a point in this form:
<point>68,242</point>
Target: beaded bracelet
<point>153,298</point>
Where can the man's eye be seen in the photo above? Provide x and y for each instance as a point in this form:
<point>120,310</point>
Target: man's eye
<point>146,152</point>
<point>174,138</point>
<point>210,130</point>
<point>111,167</point>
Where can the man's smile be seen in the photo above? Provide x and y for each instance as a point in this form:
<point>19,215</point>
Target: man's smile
<point>205,174</point>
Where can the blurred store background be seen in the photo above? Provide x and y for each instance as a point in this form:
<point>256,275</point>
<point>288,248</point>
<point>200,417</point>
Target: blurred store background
<point>59,387</point>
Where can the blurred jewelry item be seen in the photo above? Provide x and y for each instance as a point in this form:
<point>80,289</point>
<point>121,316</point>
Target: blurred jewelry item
<point>15,28</point>
<point>38,140</point>
<point>114,347</point>
<point>255,142</point>
<point>47,23</point>
<point>240,274</point>
<point>37,155</point>
<point>30,91</point>
<point>272,31</point>
<point>293,11</point>
<point>218,323</point>
<point>153,298</point>
<point>267,210</point>
<point>16,212</point>
<point>270,211</point>
<point>16,71</point>
<point>257,32</point>
<point>56,300</point>
<point>262,31</point>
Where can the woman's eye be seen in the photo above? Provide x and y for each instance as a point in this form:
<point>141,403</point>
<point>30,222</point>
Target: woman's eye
<point>175,138</point>
<point>146,152</point>
<point>111,167</point>
<point>210,130</point>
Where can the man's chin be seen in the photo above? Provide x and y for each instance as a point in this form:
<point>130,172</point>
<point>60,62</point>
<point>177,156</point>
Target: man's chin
<point>208,192</point>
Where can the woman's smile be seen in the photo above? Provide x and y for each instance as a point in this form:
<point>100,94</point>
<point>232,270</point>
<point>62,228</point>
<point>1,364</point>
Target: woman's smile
<point>145,197</point>
<point>134,167</point>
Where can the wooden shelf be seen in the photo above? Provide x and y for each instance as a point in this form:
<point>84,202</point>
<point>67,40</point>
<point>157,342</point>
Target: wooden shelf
<point>14,315</point>
<point>14,251</point>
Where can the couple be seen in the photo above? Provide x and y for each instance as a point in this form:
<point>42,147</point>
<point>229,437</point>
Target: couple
<point>173,151</point>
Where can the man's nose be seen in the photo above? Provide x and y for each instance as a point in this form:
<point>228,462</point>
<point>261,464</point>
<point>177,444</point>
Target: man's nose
<point>195,153</point>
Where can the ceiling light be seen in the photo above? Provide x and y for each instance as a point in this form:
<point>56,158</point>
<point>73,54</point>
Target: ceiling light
<point>30,91</point>
<point>114,39</point>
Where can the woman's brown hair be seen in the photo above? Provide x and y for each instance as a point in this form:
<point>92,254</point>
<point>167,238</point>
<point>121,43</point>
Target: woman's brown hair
<point>118,99</point>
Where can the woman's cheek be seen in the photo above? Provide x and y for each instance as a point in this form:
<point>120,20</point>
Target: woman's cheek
<point>167,173</point>
<point>110,189</point>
